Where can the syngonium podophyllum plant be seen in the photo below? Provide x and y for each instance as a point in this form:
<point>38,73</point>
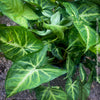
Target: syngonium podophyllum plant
<point>54,37</point>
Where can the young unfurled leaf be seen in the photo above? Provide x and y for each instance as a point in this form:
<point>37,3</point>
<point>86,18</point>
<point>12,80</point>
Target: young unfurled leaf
<point>17,11</point>
<point>15,42</point>
<point>50,93</point>
<point>30,72</point>
<point>72,89</point>
<point>82,73</point>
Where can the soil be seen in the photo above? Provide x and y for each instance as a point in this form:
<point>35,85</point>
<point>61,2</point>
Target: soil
<point>26,95</point>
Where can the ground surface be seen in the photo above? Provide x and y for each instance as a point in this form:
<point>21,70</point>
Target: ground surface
<point>26,95</point>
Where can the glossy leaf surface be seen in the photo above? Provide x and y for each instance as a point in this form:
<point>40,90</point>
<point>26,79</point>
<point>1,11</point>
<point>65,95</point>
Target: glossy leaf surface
<point>30,72</point>
<point>16,42</point>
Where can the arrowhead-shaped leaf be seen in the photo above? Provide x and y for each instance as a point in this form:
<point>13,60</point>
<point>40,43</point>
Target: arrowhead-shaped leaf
<point>16,42</point>
<point>88,35</point>
<point>50,93</point>
<point>30,72</point>
<point>17,11</point>
<point>72,89</point>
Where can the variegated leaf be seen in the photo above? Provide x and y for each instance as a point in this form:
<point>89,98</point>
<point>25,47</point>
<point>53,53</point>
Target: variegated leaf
<point>72,89</point>
<point>88,35</point>
<point>30,72</point>
<point>88,12</point>
<point>84,91</point>
<point>56,52</point>
<point>16,42</point>
<point>17,11</point>
<point>82,73</point>
<point>50,93</point>
<point>70,66</point>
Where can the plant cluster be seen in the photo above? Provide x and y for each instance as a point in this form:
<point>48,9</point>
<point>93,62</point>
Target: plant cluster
<point>52,38</point>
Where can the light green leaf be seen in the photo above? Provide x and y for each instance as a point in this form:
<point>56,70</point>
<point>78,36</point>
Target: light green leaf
<point>82,73</point>
<point>16,42</point>
<point>72,89</point>
<point>98,79</point>
<point>17,11</point>
<point>41,33</point>
<point>70,66</point>
<point>55,18</point>
<point>50,93</point>
<point>30,72</point>
<point>96,49</point>
<point>56,29</point>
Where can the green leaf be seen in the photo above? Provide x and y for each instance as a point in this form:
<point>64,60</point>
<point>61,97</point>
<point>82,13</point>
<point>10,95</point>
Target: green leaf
<point>30,72</point>
<point>82,73</point>
<point>17,11</point>
<point>96,49</point>
<point>84,91</point>
<point>88,35</point>
<point>16,42</point>
<point>98,79</point>
<point>55,18</point>
<point>71,10</point>
<point>72,89</point>
<point>70,66</point>
<point>56,29</point>
<point>50,93</point>
<point>73,38</point>
<point>88,11</point>
<point>57,52</point>
<point>46,6</point>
